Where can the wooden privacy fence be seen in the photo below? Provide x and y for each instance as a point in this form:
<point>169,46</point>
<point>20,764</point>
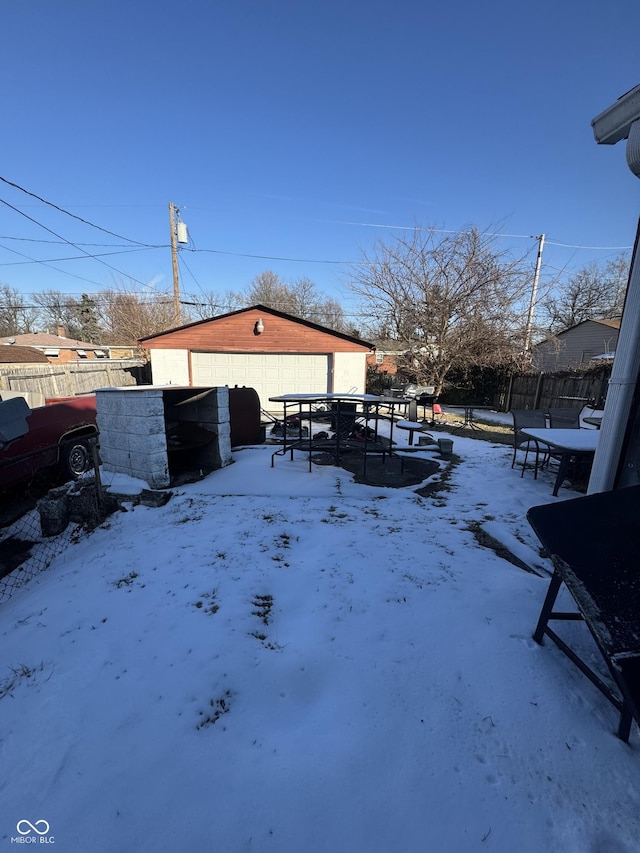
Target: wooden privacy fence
<point>542,390</point>
<point>66,380</point>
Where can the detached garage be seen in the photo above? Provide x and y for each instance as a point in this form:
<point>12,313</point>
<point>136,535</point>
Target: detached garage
<point>260,348</point>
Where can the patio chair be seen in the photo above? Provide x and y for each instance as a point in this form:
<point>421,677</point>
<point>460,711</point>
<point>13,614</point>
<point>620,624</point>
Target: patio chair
<point>564,418</point>
<point>523,419</point>
<point>600,572</point>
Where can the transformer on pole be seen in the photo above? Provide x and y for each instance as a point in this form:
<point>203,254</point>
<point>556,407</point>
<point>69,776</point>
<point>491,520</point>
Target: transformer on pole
<point>178,235</point>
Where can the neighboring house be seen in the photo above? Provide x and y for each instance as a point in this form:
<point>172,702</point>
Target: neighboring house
<point>385,358</point>
<point>587,342</point>
<point>122,351</point>
<point>21,355</point>
<point>17,357</point>
<point>57,348</point>
<point>261,348</point>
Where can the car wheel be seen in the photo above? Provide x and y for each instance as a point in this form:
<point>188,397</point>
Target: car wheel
<point>76,458</point>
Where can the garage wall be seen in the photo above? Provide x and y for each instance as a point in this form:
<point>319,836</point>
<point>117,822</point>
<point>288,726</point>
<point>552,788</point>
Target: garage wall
<point>170,367</point>
<point>349,372</point>
<point>284,355</point>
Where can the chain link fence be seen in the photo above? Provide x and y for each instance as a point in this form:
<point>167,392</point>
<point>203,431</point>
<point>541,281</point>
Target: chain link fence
<point>25,551</point>
<point>31,540</point>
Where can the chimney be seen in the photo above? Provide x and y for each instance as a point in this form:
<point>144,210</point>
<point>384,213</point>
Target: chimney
<point>60,332</point>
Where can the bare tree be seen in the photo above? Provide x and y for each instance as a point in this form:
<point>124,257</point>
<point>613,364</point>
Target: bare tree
<point>79,318</point>
<point>450,301</point>
<point>58,310</point>
<point>595,292</point>
<point>299,298</point>
<point>268,289</point>
<point>16,317</point>
<point>206,304</point>
<point>128,315</point>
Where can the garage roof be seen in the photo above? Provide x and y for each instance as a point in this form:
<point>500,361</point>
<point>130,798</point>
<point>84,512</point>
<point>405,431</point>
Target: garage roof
<point>265,310</point>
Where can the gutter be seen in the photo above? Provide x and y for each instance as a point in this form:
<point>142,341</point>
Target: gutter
<point>622,385</point>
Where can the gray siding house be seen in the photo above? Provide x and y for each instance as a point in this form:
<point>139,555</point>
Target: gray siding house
<point>587,343</point>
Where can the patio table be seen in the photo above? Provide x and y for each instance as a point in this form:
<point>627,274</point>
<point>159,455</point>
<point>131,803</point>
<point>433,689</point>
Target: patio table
<point>567,443</point>
<point>345,410</point>
<point>469,417</point>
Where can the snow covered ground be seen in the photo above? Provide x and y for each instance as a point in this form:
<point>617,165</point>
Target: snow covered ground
<point>281,661</point>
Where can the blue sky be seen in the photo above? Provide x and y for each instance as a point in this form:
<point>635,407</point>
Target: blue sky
<point>306,131</point>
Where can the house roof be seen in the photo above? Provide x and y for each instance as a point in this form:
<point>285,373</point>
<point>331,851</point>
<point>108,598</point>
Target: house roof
<point>390,347</point>
<point>44,339</point>
<point>263,309</point>
<point>10,354</point>
<point>613,323</point>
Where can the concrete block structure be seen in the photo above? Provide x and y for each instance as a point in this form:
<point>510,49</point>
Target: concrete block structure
<point>164,434</point>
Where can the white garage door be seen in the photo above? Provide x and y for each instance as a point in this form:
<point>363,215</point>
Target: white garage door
<point>270,374</point>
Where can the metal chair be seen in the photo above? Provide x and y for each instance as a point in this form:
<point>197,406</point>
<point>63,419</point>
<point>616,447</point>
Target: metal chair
<point>564,418</point>
<point>569,418</point>
<point>523,419</point>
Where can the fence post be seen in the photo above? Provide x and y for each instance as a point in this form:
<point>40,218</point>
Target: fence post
<point>507,406</point>
<point>538,394</point>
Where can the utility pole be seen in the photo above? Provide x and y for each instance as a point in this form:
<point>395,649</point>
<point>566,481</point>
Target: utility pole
<point>534,292</point>
<point>174,263</point>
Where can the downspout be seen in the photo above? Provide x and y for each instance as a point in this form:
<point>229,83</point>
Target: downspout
<point>624,376</point>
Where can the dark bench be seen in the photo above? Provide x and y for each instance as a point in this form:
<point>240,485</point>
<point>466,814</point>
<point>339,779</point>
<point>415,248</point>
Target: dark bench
<point>594,544</point>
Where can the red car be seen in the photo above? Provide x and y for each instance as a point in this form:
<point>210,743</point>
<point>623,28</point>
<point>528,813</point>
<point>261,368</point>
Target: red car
<point>59,435</point>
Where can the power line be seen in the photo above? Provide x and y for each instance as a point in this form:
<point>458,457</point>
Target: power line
<point>192,250</point>
<point>70,258</point>
<point>267,257</point>
<point>387,226</point>
<point>70,302</point>
<point>146,246</point>
<point>55,269</point>
<point>184,264</point>
<point>280,257</point>
<point>72,215</point>
<point>464,231</point>
<point>593,248</point>
<point>94,245</point>
<point>69,242</point>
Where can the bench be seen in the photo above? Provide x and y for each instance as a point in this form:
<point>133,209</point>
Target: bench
<point>413,426</point>
<point>595,548</point>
